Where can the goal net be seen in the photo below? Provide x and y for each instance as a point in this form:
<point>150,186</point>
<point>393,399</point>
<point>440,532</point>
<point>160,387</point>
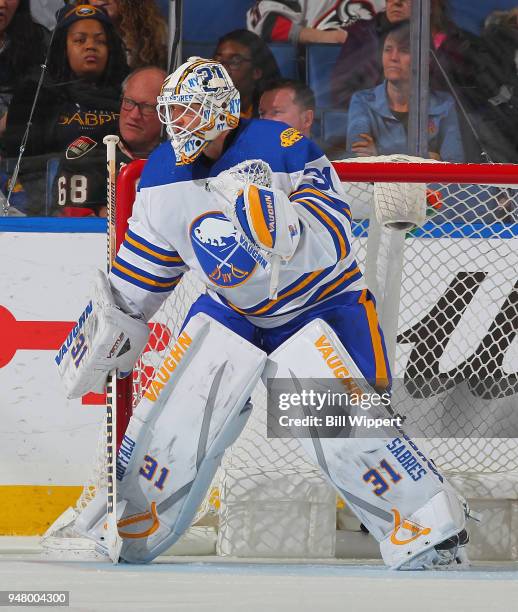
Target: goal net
<point>448,304</point>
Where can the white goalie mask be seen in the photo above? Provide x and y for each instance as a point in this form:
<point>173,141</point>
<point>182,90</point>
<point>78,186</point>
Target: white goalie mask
<point>197,102</point>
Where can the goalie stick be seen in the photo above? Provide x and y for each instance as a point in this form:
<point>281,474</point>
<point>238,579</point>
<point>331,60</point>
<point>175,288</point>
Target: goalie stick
<point>113,539</point>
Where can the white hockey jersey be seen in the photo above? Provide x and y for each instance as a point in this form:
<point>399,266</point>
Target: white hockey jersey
<point>177,225</point>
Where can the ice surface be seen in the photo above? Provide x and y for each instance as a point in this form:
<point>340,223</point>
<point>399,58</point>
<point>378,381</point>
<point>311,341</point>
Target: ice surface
<point>227,586</point>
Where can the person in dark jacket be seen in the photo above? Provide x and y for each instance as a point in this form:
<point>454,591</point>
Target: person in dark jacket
<point>81,91</point>
<point>493,100</point>
<point>359,63</point>
<point>80,97</point>
<point>22,50</point>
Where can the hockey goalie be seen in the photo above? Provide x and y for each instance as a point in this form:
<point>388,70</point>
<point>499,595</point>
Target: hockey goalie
<point>258,213</point>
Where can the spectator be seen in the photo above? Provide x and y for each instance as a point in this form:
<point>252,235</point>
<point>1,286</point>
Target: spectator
<point>457,67</point>
<point>290,101</point>
<point>358,65</point>
<point>309,22</point>
<point>293,102</point>
<point>79,97</point>
<point>491,94</point>
<point>81,93</point>
<point>22,49</point>
<point>142,28</point>
<point>139,125</point>
<point>250,64</point>
<point>378,117</point>
<point>80,187</point>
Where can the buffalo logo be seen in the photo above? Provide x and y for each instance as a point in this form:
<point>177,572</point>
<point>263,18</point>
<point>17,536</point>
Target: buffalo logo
<point>289,137</point>
<point>216,244</point>
<point>85,11</point>
<point>79,147</point>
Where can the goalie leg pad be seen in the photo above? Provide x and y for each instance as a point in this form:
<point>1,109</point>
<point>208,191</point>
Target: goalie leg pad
<point>104,339</point>
<point>195,408</point>
<point>408,506</point>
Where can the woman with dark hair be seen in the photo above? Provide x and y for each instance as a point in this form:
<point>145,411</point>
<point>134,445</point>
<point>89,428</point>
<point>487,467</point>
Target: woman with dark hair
<point>22,49</point>
<point>79,18</point>
<point>250,64</point>
<point>77,105</point>
<point>142,29</point>
<point>81,91</point>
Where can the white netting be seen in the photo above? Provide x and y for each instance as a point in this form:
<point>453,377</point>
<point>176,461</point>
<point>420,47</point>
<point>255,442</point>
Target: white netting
<point>455,315</point>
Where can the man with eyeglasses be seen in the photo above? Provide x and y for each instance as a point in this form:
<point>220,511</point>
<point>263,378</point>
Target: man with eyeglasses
<point>139,126</point>
<point>80,185</point>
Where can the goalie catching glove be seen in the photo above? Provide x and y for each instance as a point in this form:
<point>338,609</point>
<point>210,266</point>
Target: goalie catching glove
<point>264,215</point>
<point>103,339</point>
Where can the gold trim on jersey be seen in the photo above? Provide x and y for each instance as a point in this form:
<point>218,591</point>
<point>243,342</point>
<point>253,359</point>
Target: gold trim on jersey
<point>330,222</point>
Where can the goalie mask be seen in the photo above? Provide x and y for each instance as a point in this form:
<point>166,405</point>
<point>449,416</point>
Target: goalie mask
<point>197,102</point>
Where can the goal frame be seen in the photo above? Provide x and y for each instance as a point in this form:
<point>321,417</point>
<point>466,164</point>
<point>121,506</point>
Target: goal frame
<point>361,171</point>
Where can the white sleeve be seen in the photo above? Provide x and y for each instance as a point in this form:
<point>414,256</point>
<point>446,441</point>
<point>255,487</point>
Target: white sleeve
<point>324,215</point>
<point>147,267</point>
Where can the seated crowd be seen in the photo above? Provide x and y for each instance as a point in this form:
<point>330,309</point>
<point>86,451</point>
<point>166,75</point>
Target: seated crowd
<point>106,61</point>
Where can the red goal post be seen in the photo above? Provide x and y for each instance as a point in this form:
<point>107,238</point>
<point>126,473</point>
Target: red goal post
<point>425,171</point>
<point>127,181</point>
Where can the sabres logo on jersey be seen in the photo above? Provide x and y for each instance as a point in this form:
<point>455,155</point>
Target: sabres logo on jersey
<point>217,246</point>
<point>289,137</point>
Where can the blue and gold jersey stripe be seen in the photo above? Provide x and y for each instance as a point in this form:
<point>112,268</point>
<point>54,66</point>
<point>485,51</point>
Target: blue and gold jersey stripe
<point>337,285</point>
<point>299,287</point>
<point>136,244</point>
<point>141,278</point>
<point>308,191</point>
<point>338,236</point>
<point>304,285</point>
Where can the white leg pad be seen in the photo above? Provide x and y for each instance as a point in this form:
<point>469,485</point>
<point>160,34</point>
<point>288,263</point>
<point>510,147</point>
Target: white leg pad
<point>195,408</point>
<point>387,481</point>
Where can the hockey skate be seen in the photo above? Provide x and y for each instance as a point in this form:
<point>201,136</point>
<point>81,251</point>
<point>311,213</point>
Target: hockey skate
<point>449,554</point>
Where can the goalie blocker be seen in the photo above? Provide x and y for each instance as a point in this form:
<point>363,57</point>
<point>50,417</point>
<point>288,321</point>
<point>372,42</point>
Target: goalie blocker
<point>103,339</point>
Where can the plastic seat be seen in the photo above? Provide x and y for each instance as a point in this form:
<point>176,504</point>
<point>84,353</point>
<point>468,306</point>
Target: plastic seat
<point>208,21</point>
<point>286,57</point>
